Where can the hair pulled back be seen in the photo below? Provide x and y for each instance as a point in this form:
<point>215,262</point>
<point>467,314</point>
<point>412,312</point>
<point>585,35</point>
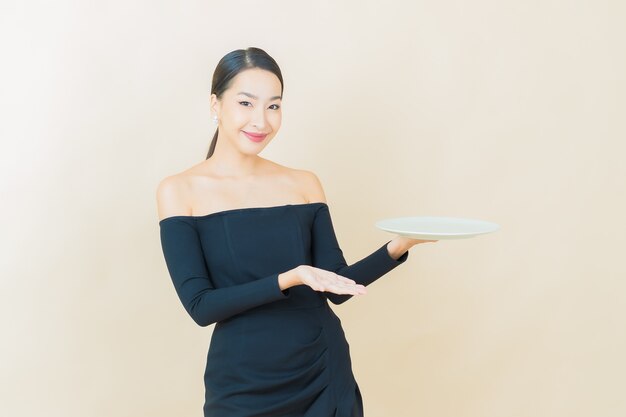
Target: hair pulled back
<point>232,64</point>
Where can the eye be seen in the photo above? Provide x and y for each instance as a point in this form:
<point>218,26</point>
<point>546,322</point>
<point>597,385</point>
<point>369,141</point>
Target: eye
<point>242,102</point>
<point>277,106</point>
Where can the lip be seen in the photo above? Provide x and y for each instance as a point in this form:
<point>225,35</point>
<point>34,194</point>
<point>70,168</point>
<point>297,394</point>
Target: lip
<point>255,137</point>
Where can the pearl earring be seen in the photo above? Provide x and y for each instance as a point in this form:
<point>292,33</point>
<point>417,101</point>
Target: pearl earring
<point>215,119</point>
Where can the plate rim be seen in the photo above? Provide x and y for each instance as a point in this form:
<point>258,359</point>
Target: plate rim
<point>494,226</point>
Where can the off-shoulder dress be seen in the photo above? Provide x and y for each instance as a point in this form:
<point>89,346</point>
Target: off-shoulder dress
<point>272,353</point>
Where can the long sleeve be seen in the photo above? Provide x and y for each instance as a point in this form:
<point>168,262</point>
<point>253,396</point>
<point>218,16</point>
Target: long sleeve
<point>328,255</point>
<point>191,278</point>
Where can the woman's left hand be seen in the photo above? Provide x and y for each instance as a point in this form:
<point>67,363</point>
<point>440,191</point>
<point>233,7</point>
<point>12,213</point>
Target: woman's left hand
<point>401,244</point>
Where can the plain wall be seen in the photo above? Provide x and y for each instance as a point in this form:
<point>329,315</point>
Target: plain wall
<point>507,111</point>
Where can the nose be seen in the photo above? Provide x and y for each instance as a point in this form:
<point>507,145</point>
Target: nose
<point>258,118</point>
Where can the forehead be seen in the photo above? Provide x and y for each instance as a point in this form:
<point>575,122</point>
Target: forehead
<point>259,82</point>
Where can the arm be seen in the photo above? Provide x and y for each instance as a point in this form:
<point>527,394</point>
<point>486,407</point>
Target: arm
<point>187,268</point>
<point>328,255</point>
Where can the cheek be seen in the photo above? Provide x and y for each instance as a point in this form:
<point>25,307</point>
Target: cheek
<point>238,116</point>
<point>275,119</point>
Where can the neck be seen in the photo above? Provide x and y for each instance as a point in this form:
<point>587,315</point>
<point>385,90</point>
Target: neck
<point>229,161</point>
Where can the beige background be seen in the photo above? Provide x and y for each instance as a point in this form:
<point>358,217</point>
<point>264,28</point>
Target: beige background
<point>508,111</point>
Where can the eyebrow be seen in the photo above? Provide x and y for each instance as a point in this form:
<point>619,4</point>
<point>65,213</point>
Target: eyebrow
<point>256,98</point>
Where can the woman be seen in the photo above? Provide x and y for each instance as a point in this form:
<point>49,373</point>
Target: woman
<point>250,246</point>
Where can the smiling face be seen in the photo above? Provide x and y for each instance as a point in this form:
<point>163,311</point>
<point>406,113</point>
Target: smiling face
<point>249,111</point>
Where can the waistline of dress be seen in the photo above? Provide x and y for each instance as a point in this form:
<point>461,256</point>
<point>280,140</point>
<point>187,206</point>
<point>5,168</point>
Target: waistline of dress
<point>279,306</point>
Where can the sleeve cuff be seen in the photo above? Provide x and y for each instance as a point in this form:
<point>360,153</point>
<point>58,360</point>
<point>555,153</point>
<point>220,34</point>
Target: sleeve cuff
<point>388,259</point>
<point>279,294</point>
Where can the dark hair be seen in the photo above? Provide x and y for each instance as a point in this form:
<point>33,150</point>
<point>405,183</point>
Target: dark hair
<point>232,64</point>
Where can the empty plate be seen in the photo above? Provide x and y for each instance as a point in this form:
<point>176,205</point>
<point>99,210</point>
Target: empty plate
<point>436,228</point>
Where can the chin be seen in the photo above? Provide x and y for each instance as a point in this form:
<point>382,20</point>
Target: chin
<point>253,148</point>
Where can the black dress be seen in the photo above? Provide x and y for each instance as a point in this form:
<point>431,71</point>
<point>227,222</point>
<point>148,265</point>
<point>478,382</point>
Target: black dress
<point>272,353</point>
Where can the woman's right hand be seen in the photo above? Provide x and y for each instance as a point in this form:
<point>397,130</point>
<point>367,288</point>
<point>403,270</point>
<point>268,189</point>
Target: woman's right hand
<point>322,280</point>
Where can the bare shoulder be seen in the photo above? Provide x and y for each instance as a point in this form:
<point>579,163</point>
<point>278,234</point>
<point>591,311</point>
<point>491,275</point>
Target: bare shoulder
<point>173,195</point>
<point>304,182</point>
<point>310,185</point>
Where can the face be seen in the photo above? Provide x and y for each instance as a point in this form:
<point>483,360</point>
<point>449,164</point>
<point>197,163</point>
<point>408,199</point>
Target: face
<point>249,111</point>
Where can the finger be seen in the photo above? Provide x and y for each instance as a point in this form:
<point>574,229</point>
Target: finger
<point>333,278</point>
<point>338,288</point>
<point>342,282</point>
<point>344,291</point>
<point>338,284</point>
<point>346,280</point>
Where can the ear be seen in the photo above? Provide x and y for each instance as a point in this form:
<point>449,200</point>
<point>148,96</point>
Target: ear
<point>215,105</point>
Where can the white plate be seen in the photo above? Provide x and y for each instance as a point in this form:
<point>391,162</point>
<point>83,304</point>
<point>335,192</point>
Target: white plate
<point>436,228</point>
